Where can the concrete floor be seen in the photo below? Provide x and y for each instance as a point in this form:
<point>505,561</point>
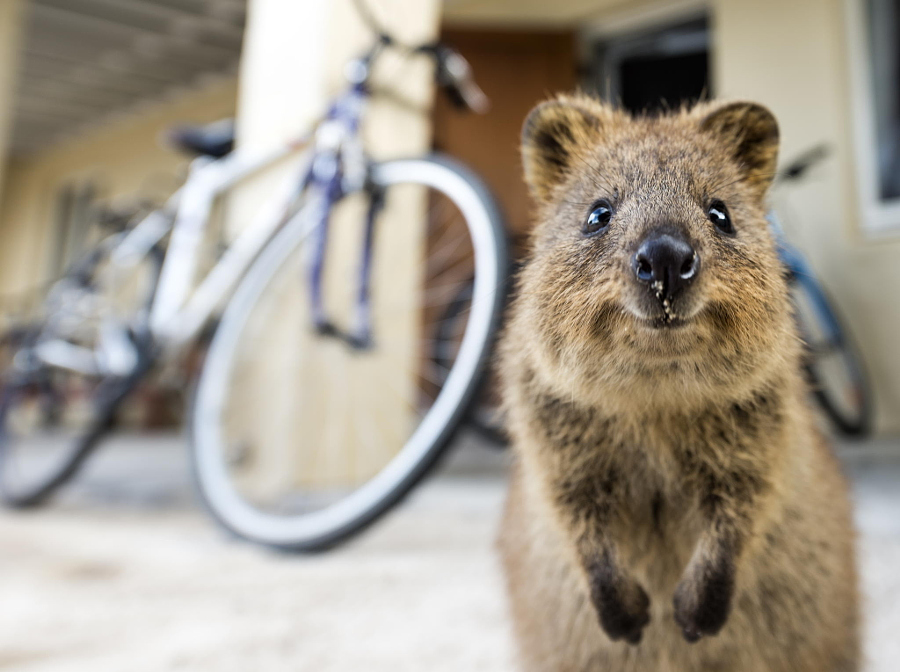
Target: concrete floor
<point>124,572</point>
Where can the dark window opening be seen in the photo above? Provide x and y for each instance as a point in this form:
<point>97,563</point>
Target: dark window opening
<point>884,55</point>
<point>654,70</point>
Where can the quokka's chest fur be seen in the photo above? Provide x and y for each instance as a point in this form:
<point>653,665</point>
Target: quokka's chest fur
<point>652,476</point>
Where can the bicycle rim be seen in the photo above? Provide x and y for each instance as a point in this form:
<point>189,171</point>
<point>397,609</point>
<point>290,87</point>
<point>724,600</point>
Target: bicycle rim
<point>48,424</point>
<point>300,440</point>
<point>833,364</point>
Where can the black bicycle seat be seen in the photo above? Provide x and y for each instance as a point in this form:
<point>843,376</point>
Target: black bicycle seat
<point>214,140</point>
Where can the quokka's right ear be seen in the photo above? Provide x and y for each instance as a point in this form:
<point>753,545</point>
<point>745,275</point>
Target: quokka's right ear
<point>750,132</point>
<point>553,135</point>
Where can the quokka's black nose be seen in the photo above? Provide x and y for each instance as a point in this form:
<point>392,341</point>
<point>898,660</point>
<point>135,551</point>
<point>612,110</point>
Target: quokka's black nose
<point>667,263</point>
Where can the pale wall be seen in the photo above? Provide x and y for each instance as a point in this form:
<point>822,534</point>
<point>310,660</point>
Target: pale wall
<point>305,378</point>
<point>123,157</point>
<point>10,38</point>
<point>792,57</point>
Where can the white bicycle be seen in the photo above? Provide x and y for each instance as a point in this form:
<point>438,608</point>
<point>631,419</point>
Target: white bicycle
<point>319,404</point>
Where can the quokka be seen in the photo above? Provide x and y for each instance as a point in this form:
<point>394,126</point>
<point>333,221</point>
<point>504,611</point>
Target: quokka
<point>673,507</point>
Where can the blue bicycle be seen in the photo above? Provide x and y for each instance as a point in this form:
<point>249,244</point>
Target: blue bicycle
<point>833,363</point>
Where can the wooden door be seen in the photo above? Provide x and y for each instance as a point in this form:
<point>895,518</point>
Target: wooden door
<point>517,70</point>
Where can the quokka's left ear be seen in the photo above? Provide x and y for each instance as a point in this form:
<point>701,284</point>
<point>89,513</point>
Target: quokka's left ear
<point>750,133</point>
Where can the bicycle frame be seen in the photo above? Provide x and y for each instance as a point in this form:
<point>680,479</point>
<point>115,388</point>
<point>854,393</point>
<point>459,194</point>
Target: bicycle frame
<point>179,310</point>
<point>801,272</point>
<point>333,165</point>
<point>792,259</point>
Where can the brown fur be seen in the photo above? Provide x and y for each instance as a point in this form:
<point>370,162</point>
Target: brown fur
<point>669,484</point>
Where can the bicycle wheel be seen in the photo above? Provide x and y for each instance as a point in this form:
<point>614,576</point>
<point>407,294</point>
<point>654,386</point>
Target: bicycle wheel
<point>300,439</point>
<point>53,416</point>
<point>833,364</point>
<point>50,422</point>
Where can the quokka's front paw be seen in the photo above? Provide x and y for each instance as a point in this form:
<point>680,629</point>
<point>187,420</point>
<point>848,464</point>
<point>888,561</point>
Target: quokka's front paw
<point>703,600</point>
<point>622,606</point>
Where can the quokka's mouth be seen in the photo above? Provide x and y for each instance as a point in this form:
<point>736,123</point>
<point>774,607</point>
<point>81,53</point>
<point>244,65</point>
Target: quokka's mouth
<point>665,322</point>
<point>663,316</point>
<point>659,319</point>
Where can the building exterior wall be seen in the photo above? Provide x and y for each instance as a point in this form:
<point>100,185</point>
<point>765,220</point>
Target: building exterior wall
<point>124,158</point>
<point>792,56</point>
<point>10,44</point>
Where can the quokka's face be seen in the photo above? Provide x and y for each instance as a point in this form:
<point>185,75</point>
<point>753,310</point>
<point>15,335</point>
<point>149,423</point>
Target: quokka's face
<point>652,233</point>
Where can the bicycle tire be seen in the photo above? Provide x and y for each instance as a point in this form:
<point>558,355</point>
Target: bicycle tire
<point>336,523</point>
<point>853,419</point>
<point>80,450</point>
<point>106,398</point>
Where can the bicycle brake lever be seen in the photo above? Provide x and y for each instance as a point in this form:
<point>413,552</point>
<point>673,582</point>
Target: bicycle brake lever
<point>454,75</point>
<point>462,82</point>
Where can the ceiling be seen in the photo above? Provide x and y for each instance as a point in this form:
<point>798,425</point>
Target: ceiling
<point>531,13</point>
<point>87,59</point>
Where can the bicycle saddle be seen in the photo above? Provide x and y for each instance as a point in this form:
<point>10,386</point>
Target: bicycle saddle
<point>214,140</point>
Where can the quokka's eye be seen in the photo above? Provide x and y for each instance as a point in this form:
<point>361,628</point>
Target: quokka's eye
<point>718,215</point>
<point>598,219</point>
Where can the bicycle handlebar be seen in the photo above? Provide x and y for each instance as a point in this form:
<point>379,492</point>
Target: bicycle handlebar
<point>454,75</point>
<point>802,163</point>
<point>453,72</point>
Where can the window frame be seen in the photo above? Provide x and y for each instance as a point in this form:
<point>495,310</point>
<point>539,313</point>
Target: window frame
<point>878,217</point>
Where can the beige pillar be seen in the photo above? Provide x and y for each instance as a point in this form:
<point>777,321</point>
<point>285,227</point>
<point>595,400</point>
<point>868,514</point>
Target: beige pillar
<point>299,393</point>
<point>11,15</point>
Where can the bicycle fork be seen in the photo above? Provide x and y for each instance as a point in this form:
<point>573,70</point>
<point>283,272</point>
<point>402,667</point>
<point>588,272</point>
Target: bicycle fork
<point>329,191</point>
